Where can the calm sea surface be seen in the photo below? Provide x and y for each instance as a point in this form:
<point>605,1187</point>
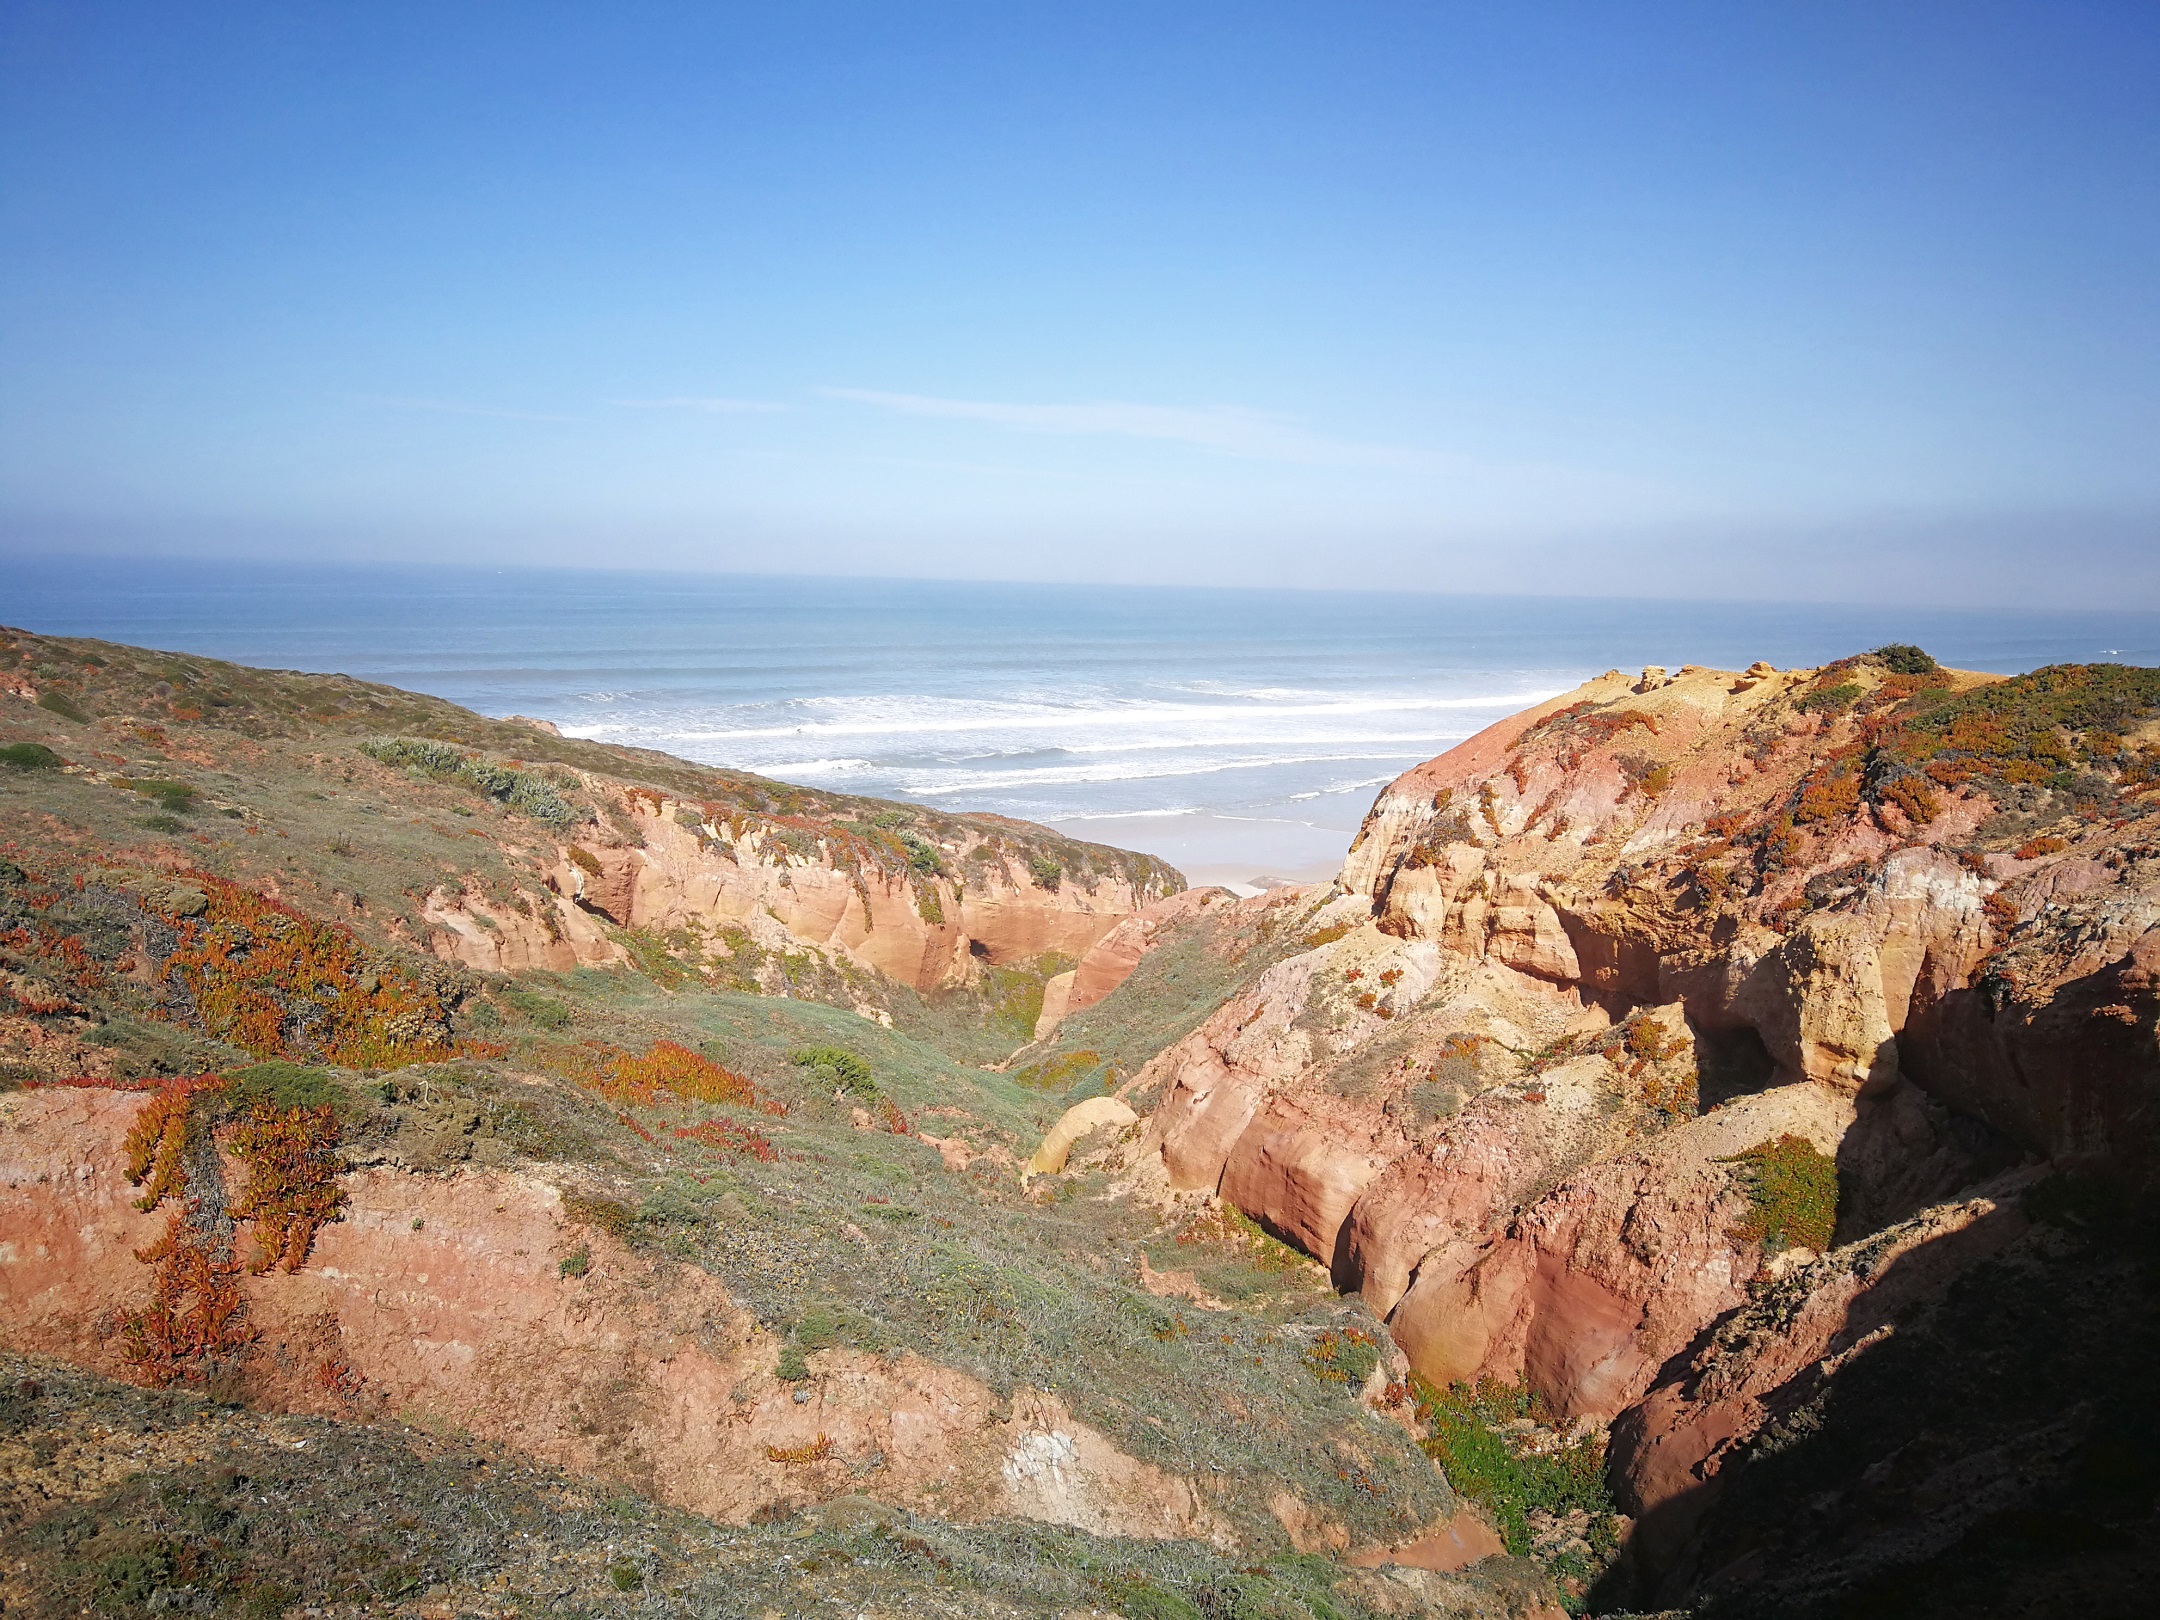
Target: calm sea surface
<point>1235,732</point>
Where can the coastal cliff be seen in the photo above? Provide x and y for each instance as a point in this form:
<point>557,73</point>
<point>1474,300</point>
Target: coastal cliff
<point>1685,993</point>
<point>1699,1094</point>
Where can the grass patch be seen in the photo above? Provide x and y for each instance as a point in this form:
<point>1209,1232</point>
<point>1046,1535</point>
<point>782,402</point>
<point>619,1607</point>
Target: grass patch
<point>187,1502</point>
<point>1486,1463</point>
<point>537,1009</point>
<point>1793,1187</point>
<point>174,798</point>
<point>282,1086</point>
<point>29,756</point>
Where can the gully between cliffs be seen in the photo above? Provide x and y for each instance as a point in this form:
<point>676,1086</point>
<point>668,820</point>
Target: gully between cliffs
<point>1603,974</point>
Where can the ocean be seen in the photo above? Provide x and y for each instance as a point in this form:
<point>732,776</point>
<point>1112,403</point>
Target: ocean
<point>1240,734</point>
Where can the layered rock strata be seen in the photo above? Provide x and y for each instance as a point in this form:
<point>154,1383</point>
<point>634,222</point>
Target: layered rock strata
<point>1608,954</point>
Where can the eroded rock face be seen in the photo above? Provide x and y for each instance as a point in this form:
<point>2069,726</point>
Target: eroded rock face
<point>668,870</point>
<point>1082,1119</point>
<point>1614,943</point>
<point>678,877</point>
<point>543,931</point>
<point>446,1298</point>
<point>1770,1355</point>
<point>1589,1291</point>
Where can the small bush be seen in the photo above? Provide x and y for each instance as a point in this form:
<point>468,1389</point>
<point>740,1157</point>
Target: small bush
<point>924,856</point>
<point>174,798</point>
<point>1903,658</point>
<point>547,1014</point>
<point>531,796</point>
<point>282,1085</point>
<point>1912,796</point>
<point>30,756</point>
<point>1830,699</point>
<point>1048,874</point>
<point>58,703</point>
<point>1342,1356</point>
<point>574,1264</point>
<point>1794,1188</point>
<point>839,1067</point>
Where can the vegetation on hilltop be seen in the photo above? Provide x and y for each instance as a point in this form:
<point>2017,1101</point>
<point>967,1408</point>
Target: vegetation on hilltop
<point>175,1498</point>
<point>129,696</point>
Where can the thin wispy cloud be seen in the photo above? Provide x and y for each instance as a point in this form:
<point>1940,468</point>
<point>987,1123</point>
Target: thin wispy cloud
<point>711,405</point>
<point>454,407</point>
<point>1228,429</point>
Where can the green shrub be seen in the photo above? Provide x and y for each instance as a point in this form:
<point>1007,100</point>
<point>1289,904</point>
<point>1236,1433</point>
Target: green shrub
<point>529,795</point>
<point>1794,1189</point>
<point>30,756</point>
<point>923,856</point>
<point>1903,658</point>
<point>538,1008</point>
<point>1048,874</point>
<point>1470,1443</point>
<point>839,1067</point>
<point>1831,699</point>
<point>174,798</point>
<point>1142,1599</point>
<point>1344,1356</point>
<point>58,703</point>
<point>283,1086</point>
<point>575,1264</point>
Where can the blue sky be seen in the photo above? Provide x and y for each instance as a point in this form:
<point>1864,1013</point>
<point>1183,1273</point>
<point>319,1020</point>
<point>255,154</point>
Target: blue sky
<point>1812,299</point>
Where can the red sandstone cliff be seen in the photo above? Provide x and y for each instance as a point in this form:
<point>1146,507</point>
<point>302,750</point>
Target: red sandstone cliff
<point>1604,949</point>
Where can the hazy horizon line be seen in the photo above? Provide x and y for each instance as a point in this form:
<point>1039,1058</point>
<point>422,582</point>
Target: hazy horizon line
<point>62,554</point>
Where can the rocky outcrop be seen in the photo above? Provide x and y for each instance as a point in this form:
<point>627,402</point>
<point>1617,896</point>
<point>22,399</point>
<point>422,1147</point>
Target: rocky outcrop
<point>1082,1119</point>
<point>715,885</point>
<point>542,930</point>
<point>1611,947</point>
<point>1778,1349</point>
<point>1590,1290</point>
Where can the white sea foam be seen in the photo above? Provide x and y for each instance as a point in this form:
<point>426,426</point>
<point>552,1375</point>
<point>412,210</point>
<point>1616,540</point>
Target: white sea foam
<point>931,716</point>
<point>931,786</point>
